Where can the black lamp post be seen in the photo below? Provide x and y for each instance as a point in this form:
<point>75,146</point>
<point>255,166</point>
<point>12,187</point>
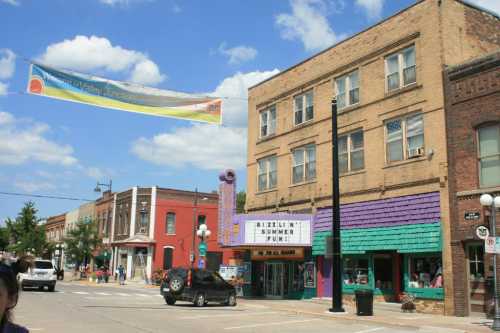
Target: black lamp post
<point>336,258</point>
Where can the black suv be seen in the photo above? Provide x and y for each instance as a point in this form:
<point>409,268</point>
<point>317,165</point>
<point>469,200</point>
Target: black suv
<point>199,286</point>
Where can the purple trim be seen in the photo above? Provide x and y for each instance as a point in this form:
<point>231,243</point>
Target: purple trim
<point>405,210</point>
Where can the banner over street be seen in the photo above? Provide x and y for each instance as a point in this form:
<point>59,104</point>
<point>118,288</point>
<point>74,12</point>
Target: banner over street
<point>86,89</point>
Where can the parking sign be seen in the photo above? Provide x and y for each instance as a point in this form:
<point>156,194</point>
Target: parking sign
<point>492,245</point>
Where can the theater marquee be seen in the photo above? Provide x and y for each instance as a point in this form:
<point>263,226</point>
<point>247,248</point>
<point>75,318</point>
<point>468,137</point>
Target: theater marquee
<point>278,232</point>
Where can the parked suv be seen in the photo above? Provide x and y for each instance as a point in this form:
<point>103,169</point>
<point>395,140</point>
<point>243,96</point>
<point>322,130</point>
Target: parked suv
<point>199,286</point>
<point>40,275</point>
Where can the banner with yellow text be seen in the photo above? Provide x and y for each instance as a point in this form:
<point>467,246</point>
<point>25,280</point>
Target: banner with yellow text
<point>81,88</point>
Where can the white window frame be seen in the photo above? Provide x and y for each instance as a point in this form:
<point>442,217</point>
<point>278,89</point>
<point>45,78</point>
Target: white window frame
<point>174,225</point>
<point>350,150</point>
<point>267,173</point>
<point>347,93</point>
<point>304,107</point>
<point>270,122</point>
<point>404,133</point>
<point>479,157</point>
<point>306,162</point>
<point>401,69</point>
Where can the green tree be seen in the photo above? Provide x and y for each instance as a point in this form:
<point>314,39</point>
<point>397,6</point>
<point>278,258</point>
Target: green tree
<point>4,238</point>
<point>240,202</point>
<point>81,242</point>
<point>25,233</point>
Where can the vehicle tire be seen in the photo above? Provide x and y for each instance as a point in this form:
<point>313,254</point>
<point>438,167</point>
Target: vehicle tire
<point>199,300</point>
<point>231,300</point>
<point>176,285</point>
<point>41,288</point>
<point>170,300</point>
<point>52,288</point>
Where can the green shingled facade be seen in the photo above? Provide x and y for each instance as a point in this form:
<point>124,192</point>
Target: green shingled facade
<point>414,238</point>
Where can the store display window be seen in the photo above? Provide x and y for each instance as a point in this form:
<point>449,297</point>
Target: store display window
<point>356,271</point>
<point>425,272</point>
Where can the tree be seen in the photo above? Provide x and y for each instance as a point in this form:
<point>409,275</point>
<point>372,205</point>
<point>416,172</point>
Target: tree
<point>25,233</point>
<point>82,241</point>
<point>4,238</point>
<point>240,202</point>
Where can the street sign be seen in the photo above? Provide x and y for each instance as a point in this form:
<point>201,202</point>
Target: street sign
<point>202,248</point>
<point>191,257</point>
<point>482,232</point>
<point>472,215</point>
<point>201,263</point>
<point>492,245</point>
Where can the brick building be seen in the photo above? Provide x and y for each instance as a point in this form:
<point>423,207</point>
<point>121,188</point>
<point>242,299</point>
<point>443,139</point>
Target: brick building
<point>392,148</point>
<point>472,93</point>
<point>54,232</point>
<point>104,218</point>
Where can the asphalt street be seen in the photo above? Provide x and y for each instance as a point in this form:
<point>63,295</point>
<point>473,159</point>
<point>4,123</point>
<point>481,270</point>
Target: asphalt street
<point>77,308</point>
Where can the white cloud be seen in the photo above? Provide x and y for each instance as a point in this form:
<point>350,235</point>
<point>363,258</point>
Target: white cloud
<point>493,5</point>
<point>34,186</point>
<point>308,23</point>
<point>11,2</point>
<point>204,146</point>
<point>7,64</point>
<point>372,8</point>
<point>20,143</point>
<point>238,54</point>
<point>3,89</point>
<point>121,2</point>
<point>146,72</point>
<point>94,53</point>
<point>235,107</point>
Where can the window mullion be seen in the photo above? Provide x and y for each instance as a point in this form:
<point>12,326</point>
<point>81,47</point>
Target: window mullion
<point>349,153</point>
<point>405,141</point>
<point>401,76</point>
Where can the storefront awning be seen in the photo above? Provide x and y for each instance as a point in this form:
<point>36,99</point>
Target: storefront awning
<point>415,238</point>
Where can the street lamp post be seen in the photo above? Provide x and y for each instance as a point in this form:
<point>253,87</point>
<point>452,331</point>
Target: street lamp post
<point>195,216</point>
<point>493,203</point>
<point>336,257</point>
<point>203,233</point>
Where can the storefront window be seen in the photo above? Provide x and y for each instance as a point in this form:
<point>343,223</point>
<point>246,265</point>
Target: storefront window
<point>298,276</point>
<point>426,272</point>
<point>476,262</point>
<point>356,271</point>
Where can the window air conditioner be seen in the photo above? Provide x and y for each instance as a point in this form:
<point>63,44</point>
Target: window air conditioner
<point>416,152</point>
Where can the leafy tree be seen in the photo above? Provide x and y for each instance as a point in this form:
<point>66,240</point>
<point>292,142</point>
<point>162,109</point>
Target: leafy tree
<point>81,242</point>
<point>25,233</point>
<point>4,238</point>
<point>240,202</point>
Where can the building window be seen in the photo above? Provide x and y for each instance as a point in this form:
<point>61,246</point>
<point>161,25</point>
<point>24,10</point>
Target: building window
<point>351,152</point>
<point>303,108</point>
<point>489,155</point>
<point>170,227</point>
<point>268,122</point>
<point>347,90</point>
<point>425,272</point>
<point>400,69</point>
<point>405,138</point>
<point>267,173</point>
<point>202,219</point>
<point>304,164</point>
<point>125,224</point>
<point>476,262</point>
<point>356,271</point>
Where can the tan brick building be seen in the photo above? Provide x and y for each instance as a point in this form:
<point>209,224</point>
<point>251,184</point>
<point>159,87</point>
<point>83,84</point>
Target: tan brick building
<point>389,86</point>
<point>104,219</point>
<point>54,228</point>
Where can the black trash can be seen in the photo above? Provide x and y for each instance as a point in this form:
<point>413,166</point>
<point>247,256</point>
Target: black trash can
<point>364,302</point>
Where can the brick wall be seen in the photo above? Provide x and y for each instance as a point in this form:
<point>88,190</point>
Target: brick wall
<point>472,94</point>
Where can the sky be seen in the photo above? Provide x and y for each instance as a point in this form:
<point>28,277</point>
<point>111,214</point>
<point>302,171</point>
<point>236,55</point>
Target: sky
<point>57,148</point>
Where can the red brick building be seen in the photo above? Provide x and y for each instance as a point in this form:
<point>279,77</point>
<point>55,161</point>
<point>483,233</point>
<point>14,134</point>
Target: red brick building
<point>104,217</point>
<point>472,94</point>
<point>176,224</point>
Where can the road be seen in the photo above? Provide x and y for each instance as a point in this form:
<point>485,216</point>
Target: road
<point>77,308</point>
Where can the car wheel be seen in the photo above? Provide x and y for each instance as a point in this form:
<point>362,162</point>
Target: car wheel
<point>231,300</point>
<point>170,300</point>
<point>41,288</point>
<point>52,288</point>
<point>199,301</point>
<point>176,285</point>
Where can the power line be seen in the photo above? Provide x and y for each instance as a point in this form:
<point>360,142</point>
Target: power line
<point>43,196</point>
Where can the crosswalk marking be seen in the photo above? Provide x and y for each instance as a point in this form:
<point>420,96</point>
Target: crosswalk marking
<point>103,294</point>
<point>80,292</point>
<point>142,295</point>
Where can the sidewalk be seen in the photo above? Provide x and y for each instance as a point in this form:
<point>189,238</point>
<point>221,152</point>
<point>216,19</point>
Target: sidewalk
<point>112,283</point>
<point>383,315</point>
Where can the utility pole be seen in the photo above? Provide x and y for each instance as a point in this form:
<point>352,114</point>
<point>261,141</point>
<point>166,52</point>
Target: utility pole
<point>195,211</point>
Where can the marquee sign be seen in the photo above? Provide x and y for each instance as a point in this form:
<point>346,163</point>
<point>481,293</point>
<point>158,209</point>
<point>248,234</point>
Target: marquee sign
<point>280,253</point>
<point>278,232</point>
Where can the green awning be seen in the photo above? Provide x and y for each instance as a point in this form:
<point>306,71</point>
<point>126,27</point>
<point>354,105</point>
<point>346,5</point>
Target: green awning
<point>414,238</point>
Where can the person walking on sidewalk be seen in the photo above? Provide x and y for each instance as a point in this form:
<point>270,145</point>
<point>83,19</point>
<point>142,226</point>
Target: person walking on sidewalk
<point>121,274</point>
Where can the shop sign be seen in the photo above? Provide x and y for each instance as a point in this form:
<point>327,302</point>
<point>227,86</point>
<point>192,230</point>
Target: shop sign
<point>492,245</point>
<point>278,253</point>
<point>482,232</point>
<point>472,216</point>
<point>276,232</point>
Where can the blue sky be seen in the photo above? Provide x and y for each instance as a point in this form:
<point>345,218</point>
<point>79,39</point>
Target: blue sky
<point>59,148</point>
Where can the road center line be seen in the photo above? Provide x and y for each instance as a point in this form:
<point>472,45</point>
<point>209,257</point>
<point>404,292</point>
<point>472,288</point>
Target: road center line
<point>80,292</point>
<point>228,315</point>
<point>269,324</point>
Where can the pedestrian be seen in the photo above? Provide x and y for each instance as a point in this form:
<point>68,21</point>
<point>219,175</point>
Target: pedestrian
<point>9,294</point>
<point>121,274</point>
